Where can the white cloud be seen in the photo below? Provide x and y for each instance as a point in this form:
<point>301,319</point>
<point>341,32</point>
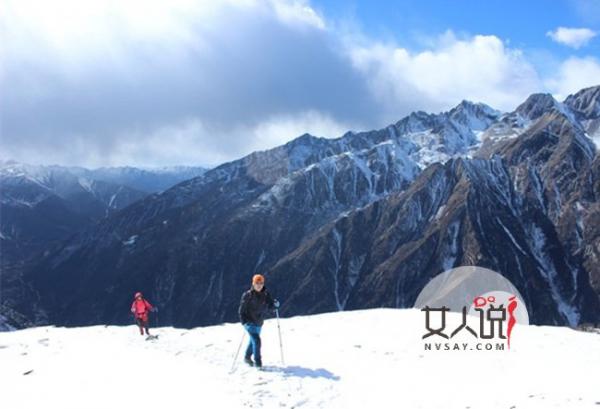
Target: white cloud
<point>279,130</point>
<point>572,37</point>
<point>188,142</point>
<point>480,68</point>
<point>573,75</point>
<point>202,82</point>
<point>102,75</point>
<point>298,12</point>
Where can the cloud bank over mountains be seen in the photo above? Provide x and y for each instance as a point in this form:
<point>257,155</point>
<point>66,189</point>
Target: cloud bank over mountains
<point>200,83</point>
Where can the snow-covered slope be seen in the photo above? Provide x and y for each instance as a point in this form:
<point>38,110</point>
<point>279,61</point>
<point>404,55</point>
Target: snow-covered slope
<point>359,359</point>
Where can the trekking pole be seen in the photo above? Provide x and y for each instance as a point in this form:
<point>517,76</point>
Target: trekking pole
<point>279,330</point>
<point>237,353</point>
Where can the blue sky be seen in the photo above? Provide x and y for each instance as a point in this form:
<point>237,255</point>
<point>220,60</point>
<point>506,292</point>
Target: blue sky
<point>152,83</point>
<point>524,23</point>
<point>521,24</point>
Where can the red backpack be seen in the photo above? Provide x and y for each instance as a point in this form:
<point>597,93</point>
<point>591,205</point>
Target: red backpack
<point>141,307</point>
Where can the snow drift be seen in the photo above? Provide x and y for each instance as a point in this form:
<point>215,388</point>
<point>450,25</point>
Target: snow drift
<point>357,359</point>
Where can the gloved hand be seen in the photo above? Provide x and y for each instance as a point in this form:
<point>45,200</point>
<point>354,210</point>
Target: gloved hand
<point>276,303</point>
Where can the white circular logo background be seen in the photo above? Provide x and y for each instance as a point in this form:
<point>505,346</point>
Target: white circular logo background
<point>473,287</point>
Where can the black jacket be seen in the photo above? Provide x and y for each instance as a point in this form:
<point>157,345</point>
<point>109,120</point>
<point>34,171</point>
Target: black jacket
<point>254,306</point>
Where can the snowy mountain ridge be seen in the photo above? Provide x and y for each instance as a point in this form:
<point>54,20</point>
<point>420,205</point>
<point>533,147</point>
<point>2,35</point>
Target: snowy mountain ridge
<point>143,179</point>
<point>399,151</point>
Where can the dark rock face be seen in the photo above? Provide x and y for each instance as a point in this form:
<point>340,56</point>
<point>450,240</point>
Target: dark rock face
<point>362,221</point>
<point>465,212</point>
<point>537,105</point>
<point>585,103</point>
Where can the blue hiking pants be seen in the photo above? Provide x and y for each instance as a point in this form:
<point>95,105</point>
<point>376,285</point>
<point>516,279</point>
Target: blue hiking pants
<point>254,343</point>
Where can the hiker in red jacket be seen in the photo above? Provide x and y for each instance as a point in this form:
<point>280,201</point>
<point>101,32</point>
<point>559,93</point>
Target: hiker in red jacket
<point>140,309</point>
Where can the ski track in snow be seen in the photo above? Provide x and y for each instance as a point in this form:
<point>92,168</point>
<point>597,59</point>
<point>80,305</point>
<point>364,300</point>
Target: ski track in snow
<point>357,359</point>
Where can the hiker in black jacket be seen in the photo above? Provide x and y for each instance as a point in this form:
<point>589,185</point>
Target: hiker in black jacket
<point>255,304</point>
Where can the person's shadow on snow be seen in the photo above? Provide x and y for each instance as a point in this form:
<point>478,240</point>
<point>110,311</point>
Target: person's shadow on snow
<point>306,372</point>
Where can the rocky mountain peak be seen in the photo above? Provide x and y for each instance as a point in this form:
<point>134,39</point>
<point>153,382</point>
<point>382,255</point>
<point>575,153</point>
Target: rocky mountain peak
<point>537,105</point>
<point>476,116</point>
<point>586,102</point>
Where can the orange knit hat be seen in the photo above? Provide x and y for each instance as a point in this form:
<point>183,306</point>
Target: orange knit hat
<point>258,278</point>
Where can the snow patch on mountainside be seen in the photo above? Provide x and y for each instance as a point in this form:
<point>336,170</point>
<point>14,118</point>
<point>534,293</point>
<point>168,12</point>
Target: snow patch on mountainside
<point>548,270</point>
<point>595,137</point>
